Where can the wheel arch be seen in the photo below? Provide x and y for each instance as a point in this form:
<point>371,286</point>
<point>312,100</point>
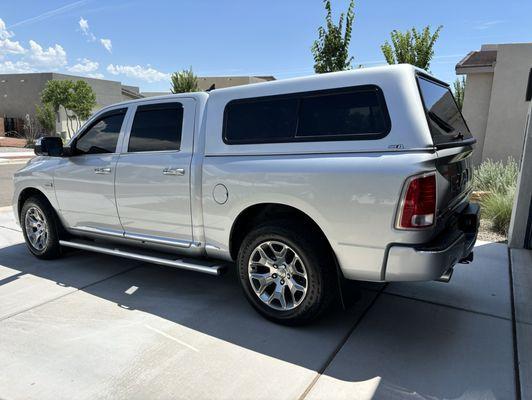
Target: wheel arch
<point>261,212</point>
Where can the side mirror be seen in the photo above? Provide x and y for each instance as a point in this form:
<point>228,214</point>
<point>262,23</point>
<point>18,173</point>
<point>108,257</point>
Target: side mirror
<point>49,146</point>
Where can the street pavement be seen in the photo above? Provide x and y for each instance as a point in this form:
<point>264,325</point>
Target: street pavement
<point>6,182</point>
<point>89,326</point>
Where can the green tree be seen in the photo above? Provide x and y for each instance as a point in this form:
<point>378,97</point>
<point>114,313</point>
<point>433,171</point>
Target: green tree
<point>411,47</point>
<point>184,81</point>
<point>46,117</point>
<point>459,91</point>
<point>331,49</point>
<point>82,101</point>
<point>76,98</point>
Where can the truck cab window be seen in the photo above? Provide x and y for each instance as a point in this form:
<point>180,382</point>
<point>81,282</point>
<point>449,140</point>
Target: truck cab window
<point>156,127</point>
<point>102,135</point>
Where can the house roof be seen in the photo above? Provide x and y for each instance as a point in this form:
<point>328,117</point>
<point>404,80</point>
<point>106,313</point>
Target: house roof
<point>477,61</point>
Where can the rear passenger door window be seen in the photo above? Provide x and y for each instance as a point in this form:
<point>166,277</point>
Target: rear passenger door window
<point>354,113</point>
<point>156,127</point>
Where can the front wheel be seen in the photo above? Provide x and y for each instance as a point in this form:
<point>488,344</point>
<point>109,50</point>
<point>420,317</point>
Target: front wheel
<point>39,226</point>
<point>286,274</point>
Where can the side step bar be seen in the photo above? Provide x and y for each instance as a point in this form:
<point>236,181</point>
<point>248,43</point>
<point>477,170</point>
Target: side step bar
<point>204,266</point>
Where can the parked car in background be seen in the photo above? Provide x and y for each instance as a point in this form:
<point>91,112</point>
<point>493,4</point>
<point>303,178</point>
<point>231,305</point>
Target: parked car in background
<point>358,175</point>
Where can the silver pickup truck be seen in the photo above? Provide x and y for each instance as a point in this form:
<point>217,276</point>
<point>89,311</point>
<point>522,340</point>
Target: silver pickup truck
<point>300,183</point>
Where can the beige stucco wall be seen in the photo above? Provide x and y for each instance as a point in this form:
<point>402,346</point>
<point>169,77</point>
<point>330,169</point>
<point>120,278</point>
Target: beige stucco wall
<point>476,107</point>
<point>508,109</point>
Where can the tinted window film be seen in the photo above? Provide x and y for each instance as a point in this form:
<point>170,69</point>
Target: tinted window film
<point>102,135</point>
<point>156,127</point>
<point>357,113</point>
<point>337,114</point>
<point>445,119</point>
<point>261,120</point>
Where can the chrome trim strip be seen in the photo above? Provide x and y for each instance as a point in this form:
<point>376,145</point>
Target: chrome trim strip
<point>99,231</point>
<point>158,240</point>
<point>215,269</point>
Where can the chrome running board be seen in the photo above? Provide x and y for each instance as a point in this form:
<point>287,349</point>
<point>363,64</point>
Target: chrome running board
<point>205,266</point>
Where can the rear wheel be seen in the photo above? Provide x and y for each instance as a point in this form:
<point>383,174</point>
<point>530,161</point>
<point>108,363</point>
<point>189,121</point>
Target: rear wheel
<point>286,274</point>
<point>40,228</point>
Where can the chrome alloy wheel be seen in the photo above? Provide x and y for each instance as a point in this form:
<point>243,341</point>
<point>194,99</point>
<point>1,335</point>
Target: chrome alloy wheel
<point>277,275</point>
<point>36,228</point>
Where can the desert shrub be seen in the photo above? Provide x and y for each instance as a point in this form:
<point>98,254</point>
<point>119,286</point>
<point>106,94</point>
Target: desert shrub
<point>497,208</point>
<point>500,180</point>
<point>495,176</point>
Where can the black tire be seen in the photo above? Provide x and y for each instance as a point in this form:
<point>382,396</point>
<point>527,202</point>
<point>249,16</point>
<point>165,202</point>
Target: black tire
<point>317,260</point>
<point>51,248</point>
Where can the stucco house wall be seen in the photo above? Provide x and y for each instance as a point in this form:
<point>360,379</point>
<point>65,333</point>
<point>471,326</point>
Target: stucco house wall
<point>508,109</point>
<point>494,104</point>
<point>476,107</point>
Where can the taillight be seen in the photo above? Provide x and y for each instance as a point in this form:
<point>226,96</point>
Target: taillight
<point>418,205</point>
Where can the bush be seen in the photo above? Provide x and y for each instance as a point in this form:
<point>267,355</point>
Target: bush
<point>495,176</point>
<point>500,181</point>
<point>497,208</point>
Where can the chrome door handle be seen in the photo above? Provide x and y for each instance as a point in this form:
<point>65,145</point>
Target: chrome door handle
<point>174,171</point>
<point>102,170</point>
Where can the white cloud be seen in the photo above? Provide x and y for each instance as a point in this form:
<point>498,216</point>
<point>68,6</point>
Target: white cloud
<point>10,47</point>
<point>19,67</point>
<point>85,29</point>
<point>4,33</point>
<point>96,75</point>
<point>147,74</point>
<point>53,57</point>
<point>107,44</point>
<point>84,25</point>
<point>84,66</point>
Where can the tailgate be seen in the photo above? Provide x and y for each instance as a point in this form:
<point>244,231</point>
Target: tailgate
<point>454,178</point>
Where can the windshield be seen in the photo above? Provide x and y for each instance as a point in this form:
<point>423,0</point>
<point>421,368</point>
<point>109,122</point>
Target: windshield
<point>445,119</point>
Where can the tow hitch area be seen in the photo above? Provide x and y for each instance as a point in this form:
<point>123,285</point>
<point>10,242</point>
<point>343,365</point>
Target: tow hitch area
<point>446,277</point>
<point>467,260</point>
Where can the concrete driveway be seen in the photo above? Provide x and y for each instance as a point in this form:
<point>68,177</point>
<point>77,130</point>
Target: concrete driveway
<point>90,326</point>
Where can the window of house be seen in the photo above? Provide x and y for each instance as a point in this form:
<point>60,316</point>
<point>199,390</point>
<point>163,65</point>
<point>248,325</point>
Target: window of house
<point>156,127</point>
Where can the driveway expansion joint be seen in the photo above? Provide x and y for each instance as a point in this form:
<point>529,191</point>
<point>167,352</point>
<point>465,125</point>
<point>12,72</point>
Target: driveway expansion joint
<point>344,340</point>
<point>448,306</point>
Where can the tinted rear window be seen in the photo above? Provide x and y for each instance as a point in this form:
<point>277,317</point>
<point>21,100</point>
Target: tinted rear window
<point>445,119</point>
<point>338,114</point>
<point>156,127</point>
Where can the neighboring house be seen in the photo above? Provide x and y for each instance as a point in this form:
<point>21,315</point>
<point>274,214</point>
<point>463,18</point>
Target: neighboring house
<point>494,104</point>
<point>20,93</point>
<point>218,82</point>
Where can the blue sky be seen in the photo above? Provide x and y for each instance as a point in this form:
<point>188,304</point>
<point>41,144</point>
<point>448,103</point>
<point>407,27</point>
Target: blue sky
<point>141,42</point>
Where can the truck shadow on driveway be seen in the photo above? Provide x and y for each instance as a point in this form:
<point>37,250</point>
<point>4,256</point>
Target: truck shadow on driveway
<point>415,340</point>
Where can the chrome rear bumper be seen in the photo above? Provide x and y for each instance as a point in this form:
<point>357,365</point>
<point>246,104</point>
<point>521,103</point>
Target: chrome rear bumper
<point>435,260</point>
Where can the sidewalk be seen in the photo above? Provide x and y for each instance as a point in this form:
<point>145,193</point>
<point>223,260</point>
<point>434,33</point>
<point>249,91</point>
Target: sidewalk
<point>14,155</point>
<point>91,326</point>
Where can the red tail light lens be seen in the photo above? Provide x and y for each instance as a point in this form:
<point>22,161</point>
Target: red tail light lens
<point>419,203</point>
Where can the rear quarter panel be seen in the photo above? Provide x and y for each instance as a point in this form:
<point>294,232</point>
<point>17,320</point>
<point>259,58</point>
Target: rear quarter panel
<point>352,197</point>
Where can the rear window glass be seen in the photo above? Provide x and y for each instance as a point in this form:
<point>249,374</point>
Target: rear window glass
<point>337,114</point>
<point>446,122</point>
<point>156,127</point>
